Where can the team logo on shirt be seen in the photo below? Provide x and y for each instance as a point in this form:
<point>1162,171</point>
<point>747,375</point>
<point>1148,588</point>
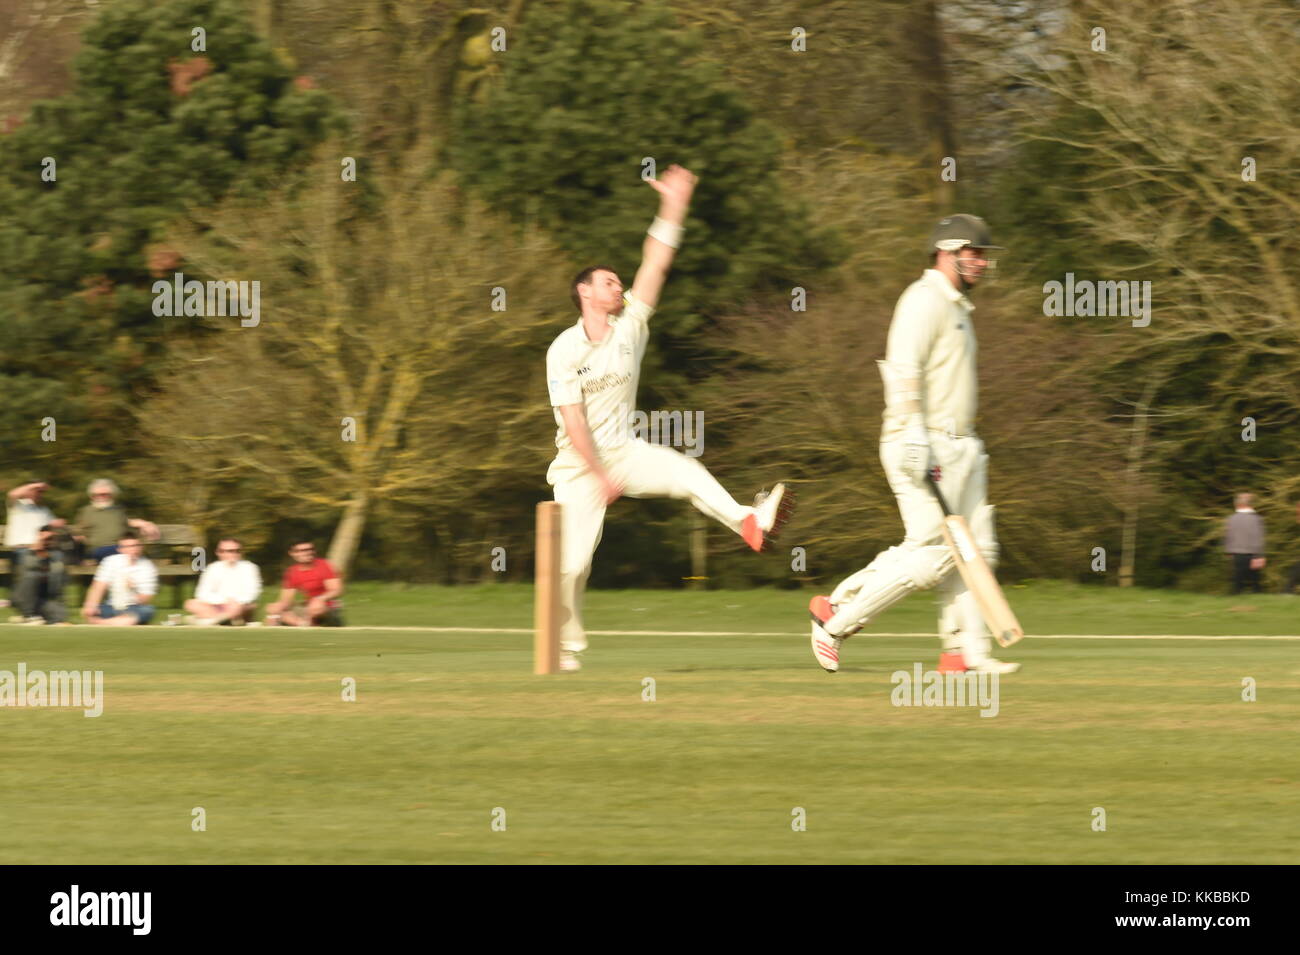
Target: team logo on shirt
<point>594,386</point>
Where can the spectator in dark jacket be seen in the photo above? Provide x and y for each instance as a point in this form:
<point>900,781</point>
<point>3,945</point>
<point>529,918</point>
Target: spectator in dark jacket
<point>1243,539</point>
<point>39,593</point>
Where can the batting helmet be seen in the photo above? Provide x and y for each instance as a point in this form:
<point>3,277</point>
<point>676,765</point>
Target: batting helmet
<point>957,231</point>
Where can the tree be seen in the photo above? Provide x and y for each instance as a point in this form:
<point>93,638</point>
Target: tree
<point>89,183</point>
<point>1180,138</point>
<point>379,372</point>
<point>565,136</point>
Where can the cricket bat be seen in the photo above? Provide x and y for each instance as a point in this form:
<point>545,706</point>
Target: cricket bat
<point>977,574</point>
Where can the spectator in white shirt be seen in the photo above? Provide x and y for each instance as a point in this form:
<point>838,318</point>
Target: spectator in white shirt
<point>129,581</point>
<point>25,517</point>
<point>227,590</point>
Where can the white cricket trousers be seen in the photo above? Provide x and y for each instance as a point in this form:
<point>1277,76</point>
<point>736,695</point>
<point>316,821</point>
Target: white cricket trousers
<point>922,559</point>
<point>643,470</point>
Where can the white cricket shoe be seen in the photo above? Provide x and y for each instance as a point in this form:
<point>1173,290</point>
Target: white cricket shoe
<point>989,665</point>
<point>825,648</point>
<point>771,511</point>
<point>569,661</point>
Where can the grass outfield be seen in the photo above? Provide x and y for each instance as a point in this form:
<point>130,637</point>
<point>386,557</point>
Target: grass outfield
<point>1042,606</point>
<point>249,725</point>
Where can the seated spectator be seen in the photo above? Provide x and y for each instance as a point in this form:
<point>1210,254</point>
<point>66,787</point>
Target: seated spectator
<point>227,591</point>
<point>129,581</point>
<point>317,581</point>
<point>103,521</point>
<point>39,592</point>
<point>63,541</point>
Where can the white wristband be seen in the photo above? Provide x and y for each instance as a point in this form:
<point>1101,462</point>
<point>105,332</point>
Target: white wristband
<point>666,232</point>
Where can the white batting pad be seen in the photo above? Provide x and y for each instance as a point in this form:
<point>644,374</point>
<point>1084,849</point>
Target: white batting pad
<point>889,578</point>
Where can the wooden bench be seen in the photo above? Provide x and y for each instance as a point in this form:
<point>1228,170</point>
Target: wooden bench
<point>171,554</point>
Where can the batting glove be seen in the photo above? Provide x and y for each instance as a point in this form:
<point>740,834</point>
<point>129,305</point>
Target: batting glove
<point>916,454</point>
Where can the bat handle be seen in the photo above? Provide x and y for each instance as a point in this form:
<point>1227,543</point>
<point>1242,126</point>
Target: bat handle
<point>934,486</point>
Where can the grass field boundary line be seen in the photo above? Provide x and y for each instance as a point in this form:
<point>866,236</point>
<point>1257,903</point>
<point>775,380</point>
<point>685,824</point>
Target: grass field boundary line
<point>1036,636</point>
<point>716,633</point>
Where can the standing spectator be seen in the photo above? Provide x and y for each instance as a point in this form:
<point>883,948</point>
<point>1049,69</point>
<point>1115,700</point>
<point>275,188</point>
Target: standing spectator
<point>103,521</point>
<point>27,514</point>
<point>39,593</point>
<point>1293,575</point>
<point>1243,538</point>
<point>227,590</point>
<point>129,580</point>
<point>315,579</point>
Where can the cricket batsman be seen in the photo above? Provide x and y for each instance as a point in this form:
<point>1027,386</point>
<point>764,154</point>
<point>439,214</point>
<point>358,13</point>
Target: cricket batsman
<point>592,369</point>
<point>929,426</point>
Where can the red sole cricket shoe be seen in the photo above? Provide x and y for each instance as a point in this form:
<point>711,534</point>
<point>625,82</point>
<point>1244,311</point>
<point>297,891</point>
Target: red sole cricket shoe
<point>825,648</point>
<point>956,663</point>
<point>772,509</point>
<point>952,663</point>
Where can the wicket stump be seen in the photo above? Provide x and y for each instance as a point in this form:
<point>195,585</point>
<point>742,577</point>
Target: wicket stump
<point>546,598</point>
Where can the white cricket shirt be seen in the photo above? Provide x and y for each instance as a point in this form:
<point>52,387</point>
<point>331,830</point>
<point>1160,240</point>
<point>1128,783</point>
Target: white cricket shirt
<point>601,375</point>
<point>127,580</point>
<point>222,582</point>
<point>932,339</point>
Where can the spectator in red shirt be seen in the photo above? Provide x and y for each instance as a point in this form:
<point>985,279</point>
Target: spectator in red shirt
<point>318,582</point>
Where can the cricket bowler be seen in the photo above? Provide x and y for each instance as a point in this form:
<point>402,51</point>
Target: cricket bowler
<point>929,426</point>
<point>592,369</point>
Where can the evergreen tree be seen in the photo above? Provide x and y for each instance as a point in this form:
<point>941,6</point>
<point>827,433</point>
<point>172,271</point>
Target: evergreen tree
<point>590,90</point>
<point>175,106</point>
